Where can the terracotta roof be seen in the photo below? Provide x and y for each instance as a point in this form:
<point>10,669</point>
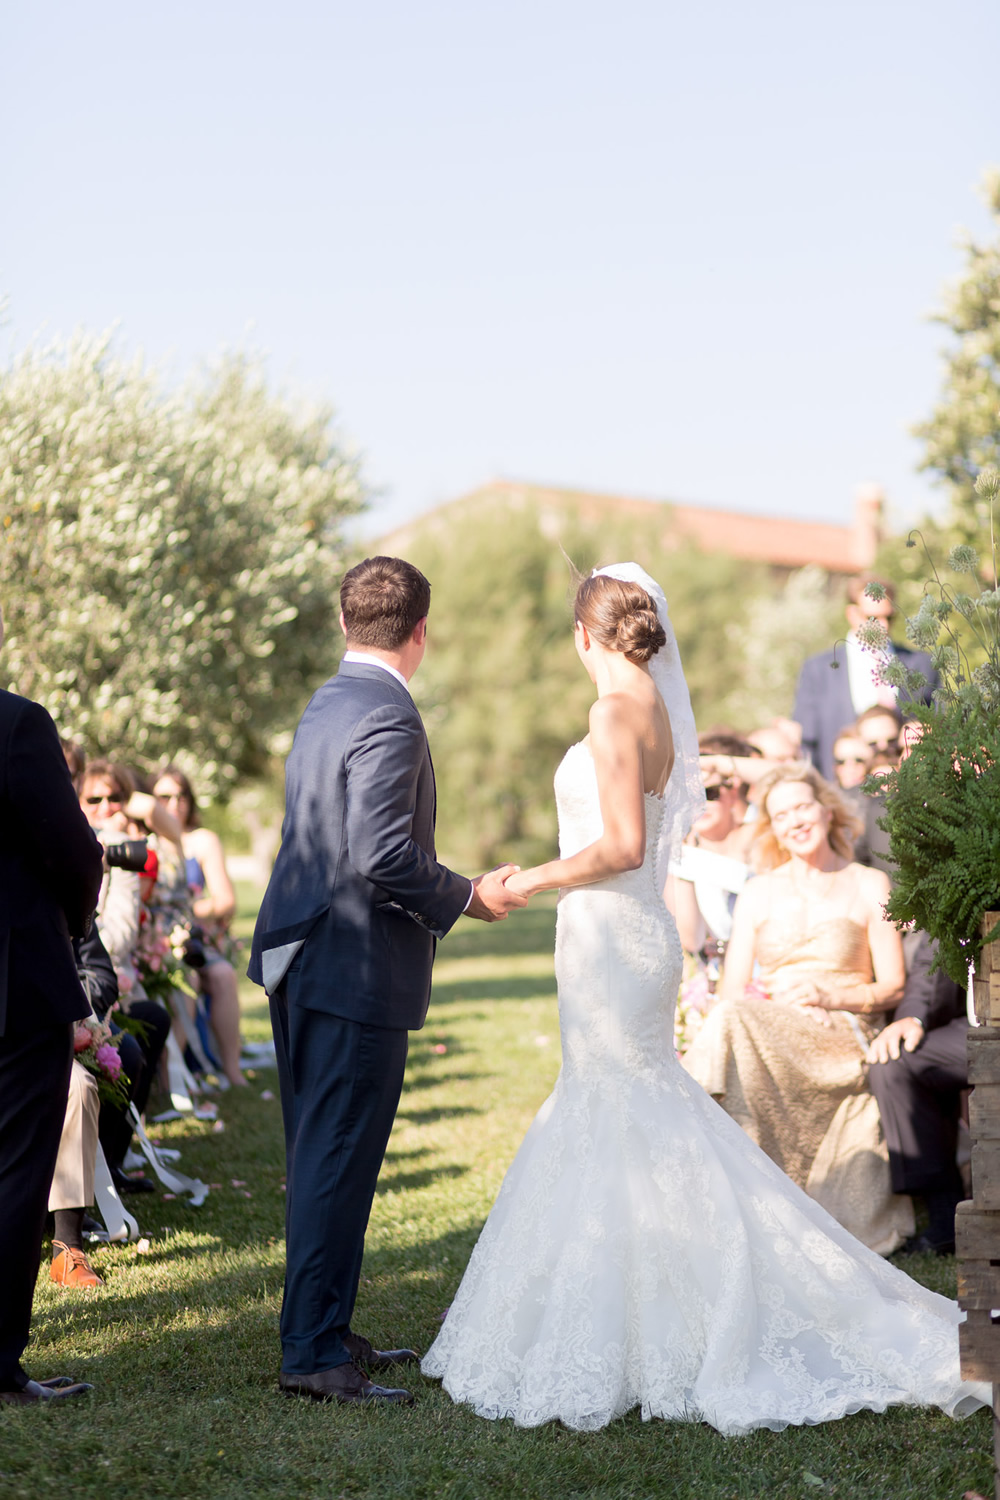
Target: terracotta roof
<point>780,541</point>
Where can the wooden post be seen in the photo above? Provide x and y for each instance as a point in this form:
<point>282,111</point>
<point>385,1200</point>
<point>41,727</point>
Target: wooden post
<point>977,1224</point>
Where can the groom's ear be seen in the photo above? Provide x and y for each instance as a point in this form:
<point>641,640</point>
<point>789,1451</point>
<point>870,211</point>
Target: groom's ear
<point>419,636</point>
<point>343,624</point>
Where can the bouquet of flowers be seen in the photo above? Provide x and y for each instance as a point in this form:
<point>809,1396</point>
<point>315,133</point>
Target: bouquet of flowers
<point>97,1050</point>
<point>695,1000</point>
<point>160,956</point>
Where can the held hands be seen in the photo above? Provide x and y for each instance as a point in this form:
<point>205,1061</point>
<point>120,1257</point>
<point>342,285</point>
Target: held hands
<point>903,1035</point>
<point>492,899</point>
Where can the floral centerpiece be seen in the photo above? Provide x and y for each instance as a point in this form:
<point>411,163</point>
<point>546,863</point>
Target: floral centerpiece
<point>942,804</point>
<point>96,1049</point>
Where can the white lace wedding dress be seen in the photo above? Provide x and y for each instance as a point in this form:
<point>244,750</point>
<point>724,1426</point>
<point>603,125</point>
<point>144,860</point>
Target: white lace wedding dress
<point>642,1250</point>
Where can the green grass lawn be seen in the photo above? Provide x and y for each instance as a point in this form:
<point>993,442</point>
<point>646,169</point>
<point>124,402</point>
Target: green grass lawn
<point>181,1344</point>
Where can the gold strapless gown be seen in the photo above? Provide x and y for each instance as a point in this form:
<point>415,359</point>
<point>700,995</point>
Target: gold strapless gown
<point>799,1089</point>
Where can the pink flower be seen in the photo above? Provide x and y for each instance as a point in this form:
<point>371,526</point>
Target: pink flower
<point>82,1037</point>
<point>110,1062</point>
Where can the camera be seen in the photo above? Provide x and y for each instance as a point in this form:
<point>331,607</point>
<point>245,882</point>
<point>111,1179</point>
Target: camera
<point>194,949</point>
<point>129,854</point>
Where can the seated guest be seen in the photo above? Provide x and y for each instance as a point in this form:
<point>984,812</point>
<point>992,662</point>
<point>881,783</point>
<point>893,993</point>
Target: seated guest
<point>785,1055</point>
<point>109,799</point>
<point>72,1189</point>
<point>139,1058</point>
<point>703,884</point>
<point>852,756</point>
<point>778,742</point>
<point>918,1067</point>
<point>880,727</point>
<point>203,895</point>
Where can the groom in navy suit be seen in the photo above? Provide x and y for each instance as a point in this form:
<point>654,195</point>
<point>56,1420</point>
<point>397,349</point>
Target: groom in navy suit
<point>344,946</point>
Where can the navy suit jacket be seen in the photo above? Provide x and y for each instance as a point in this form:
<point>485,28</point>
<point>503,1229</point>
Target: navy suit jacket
<point>356,878</point>
<point>50,872</point>
<point>823,703</point>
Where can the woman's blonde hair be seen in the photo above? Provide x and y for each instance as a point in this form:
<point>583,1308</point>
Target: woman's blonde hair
<point>844,824</point>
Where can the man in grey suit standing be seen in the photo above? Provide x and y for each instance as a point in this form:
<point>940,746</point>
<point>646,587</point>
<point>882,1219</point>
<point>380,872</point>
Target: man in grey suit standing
<point>344,946</point>
<point>828,701</point>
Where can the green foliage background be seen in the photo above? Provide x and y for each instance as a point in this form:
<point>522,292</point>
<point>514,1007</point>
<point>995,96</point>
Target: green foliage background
<point>169,561</point>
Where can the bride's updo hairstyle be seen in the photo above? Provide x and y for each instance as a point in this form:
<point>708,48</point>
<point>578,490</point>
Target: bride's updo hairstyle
<point>620,616</point>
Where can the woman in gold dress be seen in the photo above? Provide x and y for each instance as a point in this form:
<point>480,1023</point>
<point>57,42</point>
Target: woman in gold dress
<point>813,970</point>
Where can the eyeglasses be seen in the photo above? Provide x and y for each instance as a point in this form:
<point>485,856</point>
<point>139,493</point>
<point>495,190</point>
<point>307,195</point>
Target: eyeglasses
<point>113,799</point>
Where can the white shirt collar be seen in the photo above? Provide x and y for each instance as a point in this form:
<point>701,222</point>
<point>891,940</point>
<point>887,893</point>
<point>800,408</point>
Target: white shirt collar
<point>363,659</point>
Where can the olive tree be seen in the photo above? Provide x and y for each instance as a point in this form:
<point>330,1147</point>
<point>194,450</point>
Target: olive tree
<point>170,559</point>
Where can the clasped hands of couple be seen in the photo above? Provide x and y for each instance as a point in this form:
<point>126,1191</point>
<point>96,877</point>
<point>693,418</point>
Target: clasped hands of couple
<point>498,892</point>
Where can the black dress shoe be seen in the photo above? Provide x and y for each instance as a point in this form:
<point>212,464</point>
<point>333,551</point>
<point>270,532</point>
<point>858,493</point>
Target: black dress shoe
<point>346,1384</point>
<point>921,1244</point>
<point>362,1353</point>
<point>126,1184</point>
<point>37,1391</point>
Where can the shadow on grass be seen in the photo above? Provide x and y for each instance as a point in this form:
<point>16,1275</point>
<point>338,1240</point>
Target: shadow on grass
<point>452,992</point>
<point>529,931</point>
<point>432,1116</point>
<point>433,1078</point>
<point>403,1182</point>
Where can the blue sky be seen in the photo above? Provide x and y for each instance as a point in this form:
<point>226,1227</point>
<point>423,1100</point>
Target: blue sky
<point>676,251</point>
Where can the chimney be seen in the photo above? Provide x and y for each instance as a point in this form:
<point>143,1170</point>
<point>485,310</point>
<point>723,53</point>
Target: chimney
<point>866,531</point>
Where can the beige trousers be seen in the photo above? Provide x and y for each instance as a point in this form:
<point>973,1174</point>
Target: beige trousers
<point>73,1181</point>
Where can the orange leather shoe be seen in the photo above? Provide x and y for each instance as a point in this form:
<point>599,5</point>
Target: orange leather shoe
<point>72,1268</point>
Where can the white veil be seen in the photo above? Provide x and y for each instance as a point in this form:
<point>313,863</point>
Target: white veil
<point>684,798</point>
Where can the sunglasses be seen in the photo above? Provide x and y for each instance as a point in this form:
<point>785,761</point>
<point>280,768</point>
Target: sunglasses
<point>712,793</point>
<point>115,799</point>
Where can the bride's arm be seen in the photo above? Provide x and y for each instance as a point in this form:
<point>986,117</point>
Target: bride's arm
<point>614,745</point>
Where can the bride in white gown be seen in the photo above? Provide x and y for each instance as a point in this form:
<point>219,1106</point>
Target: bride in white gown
<point>642,1250</point>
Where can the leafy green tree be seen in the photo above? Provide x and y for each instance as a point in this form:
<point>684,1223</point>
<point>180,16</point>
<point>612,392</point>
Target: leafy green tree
<point>962,436</point>
<point>169,561</point>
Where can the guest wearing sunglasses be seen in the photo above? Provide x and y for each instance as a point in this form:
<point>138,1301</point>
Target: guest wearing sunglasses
<point>852,756</point>
<point>111,805</point>
<point>702,886</point>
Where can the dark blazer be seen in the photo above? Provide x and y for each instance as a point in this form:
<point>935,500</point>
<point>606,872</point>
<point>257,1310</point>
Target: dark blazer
<point>356,876</point>
<point>933,999</point>
<point>50,871</point>
<point>823,703</point>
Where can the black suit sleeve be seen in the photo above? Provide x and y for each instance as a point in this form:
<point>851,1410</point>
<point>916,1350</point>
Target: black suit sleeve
<point>96,971</point>
<point>933,999</point>
<point>46,822</point>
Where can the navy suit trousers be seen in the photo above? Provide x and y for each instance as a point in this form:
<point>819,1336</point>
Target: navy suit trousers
<point>340,1084</point>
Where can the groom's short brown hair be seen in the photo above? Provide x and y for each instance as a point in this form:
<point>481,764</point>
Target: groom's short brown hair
<point>383,598</point>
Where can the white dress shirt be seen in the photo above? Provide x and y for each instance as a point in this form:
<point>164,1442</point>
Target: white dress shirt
<point>862,665</point>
